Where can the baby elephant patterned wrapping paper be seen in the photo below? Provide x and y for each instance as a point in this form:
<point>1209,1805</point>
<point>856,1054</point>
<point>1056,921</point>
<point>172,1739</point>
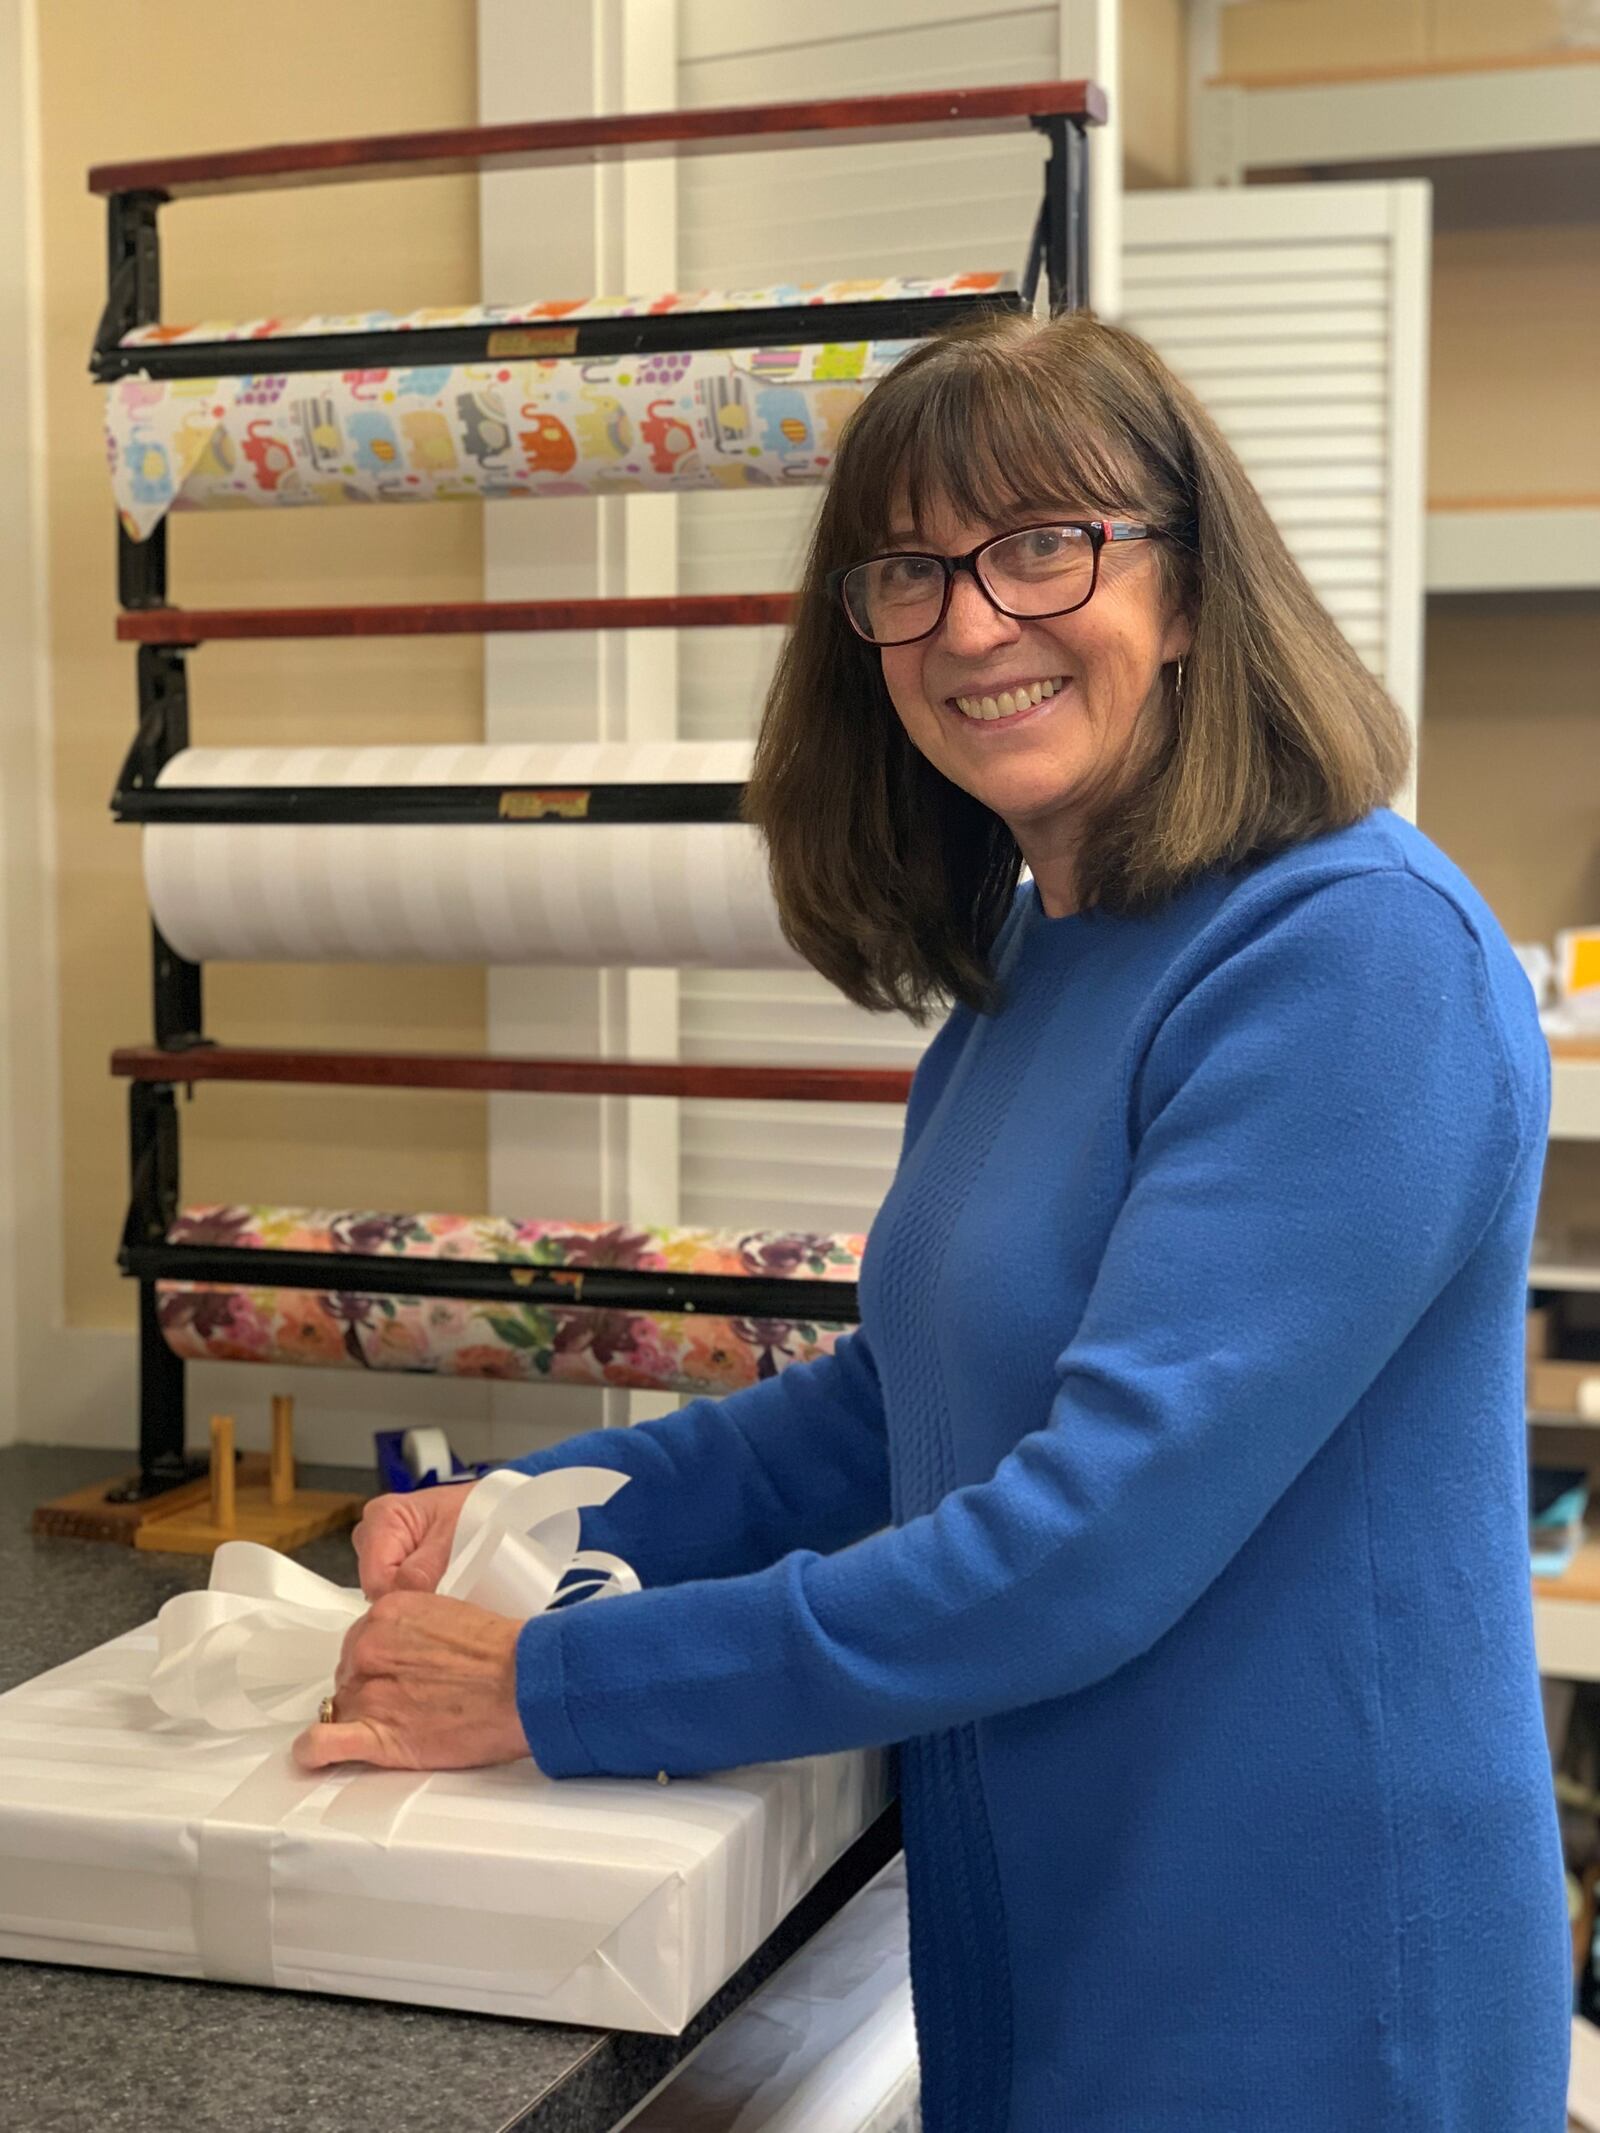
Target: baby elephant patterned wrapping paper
<point>606,426</point>
<point>524,1343</point>
<point>427,432</point>
<point>648,894</point>
<point>135,1839</point>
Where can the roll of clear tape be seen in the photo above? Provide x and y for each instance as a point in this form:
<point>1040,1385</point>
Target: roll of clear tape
<point>660,894</point>
<point>425,1452</point>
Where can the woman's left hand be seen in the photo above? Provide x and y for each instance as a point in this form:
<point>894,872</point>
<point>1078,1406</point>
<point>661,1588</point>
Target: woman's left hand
<point>424,1683</point>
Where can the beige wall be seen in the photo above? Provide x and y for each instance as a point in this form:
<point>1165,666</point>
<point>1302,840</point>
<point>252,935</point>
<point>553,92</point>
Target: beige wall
<point>174,79</point>
<point>1155,86</point>
<point>1513,406</point>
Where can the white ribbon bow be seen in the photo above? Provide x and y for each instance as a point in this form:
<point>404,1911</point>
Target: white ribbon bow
<point>260,1645</point>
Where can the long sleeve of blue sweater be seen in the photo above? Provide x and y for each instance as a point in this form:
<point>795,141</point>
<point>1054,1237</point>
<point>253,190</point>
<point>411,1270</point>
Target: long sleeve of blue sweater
<point>1322,1126</point>
<point>728,1486</point>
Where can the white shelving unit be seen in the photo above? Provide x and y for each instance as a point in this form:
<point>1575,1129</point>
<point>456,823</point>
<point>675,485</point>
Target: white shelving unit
<point>1403,114</point>
<point>1499,546</point>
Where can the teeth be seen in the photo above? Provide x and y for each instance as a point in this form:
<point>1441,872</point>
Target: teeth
<point>1009,700</point>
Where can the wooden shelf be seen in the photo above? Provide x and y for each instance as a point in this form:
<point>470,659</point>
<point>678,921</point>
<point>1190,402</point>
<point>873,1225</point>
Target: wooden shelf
<point>1513,544</point>
<point>628,136</point>
<point>1397,115</point>
<point>457,618</point>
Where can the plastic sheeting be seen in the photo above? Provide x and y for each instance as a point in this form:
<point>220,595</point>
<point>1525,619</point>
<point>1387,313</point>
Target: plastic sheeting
<point>825,2046</point>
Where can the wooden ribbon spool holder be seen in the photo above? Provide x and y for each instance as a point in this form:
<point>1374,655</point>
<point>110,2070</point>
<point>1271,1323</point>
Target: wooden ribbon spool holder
<point>251,1499</point>
<point>246,1496</point>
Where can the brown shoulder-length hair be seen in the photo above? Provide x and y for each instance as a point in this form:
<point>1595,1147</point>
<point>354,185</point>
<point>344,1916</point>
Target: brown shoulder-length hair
<point>891,880</point>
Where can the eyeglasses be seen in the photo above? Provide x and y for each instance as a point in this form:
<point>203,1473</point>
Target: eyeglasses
<point>1036,571</point>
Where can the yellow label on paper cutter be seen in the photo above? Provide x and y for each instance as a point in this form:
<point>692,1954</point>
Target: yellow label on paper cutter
<point>536,806</point>
<point>534,341</point>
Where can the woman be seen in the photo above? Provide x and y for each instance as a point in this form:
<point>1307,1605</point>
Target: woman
<point>1182,1442</point>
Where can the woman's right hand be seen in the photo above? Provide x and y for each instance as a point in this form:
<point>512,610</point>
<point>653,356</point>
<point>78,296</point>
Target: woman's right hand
<point>403,1542</point>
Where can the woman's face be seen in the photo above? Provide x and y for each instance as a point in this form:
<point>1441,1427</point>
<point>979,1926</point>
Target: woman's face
<point>1041,766</point>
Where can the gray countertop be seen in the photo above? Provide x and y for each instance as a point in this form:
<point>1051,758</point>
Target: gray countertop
<point>92,2051</point>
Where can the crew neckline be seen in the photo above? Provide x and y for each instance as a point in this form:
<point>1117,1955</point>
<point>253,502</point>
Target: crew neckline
<point>1039,916</point>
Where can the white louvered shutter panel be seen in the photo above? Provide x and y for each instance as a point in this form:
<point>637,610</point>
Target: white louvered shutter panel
<point>811,215</point>
<point>1298,315</point>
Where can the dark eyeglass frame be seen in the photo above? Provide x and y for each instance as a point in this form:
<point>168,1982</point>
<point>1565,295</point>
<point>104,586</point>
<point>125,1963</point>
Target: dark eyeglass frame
<point>1100,532</point>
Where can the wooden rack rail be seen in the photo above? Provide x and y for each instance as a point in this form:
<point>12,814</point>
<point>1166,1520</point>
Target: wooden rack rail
<point>526,1076</point>
<point>184,627</point>
<point>624,136</point>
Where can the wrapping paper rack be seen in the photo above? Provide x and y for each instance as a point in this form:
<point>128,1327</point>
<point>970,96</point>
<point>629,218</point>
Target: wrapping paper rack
<point>1057,259</point>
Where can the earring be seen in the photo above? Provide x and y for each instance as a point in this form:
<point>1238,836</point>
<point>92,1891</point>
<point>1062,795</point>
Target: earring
<point>1177,687</point>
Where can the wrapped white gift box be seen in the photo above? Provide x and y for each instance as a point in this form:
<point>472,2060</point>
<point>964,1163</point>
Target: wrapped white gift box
<point>137,1837</point>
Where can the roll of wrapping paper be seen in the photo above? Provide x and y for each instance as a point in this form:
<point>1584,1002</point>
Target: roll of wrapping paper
<point>604,426</point>
<point>642,893</point>
<point>524,1343</point>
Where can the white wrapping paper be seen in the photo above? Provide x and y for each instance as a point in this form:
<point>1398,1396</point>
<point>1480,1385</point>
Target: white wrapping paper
<point>132,1839</point>
<point>647,893</point>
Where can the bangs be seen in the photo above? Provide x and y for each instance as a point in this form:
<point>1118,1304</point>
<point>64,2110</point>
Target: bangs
<point>960,428</point>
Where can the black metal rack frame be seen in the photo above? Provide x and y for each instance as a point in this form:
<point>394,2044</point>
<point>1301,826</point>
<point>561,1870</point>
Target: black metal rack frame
<point>772,326</point>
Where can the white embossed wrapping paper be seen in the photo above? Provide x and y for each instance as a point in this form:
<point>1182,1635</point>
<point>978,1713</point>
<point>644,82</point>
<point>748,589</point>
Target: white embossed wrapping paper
<point>130,1842</point>
<point>659,894</point>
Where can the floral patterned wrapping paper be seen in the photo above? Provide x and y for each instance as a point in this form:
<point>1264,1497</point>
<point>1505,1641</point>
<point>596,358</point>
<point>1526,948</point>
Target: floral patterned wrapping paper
<point>522,1343</point>
<point>562,311</point>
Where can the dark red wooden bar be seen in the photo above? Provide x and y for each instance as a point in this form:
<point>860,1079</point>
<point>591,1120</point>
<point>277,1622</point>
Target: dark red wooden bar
<point>215,625</point>
<point>548,1077</point>
<point>919,115</point>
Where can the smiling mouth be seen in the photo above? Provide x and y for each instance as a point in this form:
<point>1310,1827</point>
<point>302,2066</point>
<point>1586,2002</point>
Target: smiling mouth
<point>1006,703</point>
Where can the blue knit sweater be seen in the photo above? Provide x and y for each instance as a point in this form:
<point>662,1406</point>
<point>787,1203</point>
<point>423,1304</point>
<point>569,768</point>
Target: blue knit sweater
<point>1182,1451</point>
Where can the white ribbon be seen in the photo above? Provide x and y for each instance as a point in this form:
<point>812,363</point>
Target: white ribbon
<point>259,1647</point>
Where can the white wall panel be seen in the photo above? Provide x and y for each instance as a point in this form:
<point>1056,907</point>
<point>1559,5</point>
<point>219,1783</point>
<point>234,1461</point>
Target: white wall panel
<point>1296,313</point>
<point>810,214</point>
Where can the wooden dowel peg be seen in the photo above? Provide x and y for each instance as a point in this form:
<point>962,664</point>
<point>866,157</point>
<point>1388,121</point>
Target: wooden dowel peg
<point>222,1503</point>
<point>282,1473</point>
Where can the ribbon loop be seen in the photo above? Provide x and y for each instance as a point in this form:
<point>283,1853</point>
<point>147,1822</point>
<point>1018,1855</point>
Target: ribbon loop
<point>260,1645</point>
